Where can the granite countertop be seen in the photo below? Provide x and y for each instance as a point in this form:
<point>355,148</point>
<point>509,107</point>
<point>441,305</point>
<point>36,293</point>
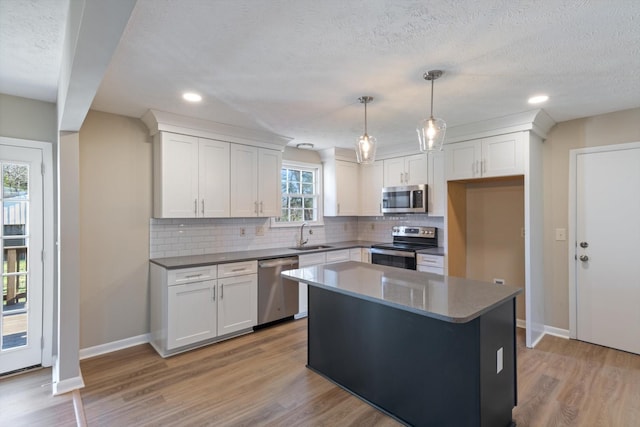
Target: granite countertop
<point>171,263</point>
<point>432,251</point>
<point>448,298</point>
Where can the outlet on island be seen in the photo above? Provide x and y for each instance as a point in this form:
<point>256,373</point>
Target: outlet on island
<point>242,231</point>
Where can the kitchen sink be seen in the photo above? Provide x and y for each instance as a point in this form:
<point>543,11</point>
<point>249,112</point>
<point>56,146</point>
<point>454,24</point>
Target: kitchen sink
<point>310,248</point>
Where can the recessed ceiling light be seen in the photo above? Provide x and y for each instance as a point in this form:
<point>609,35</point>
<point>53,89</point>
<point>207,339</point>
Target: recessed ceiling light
<point>305,146</point>
<point>538,99</point>
<point>191,97</point>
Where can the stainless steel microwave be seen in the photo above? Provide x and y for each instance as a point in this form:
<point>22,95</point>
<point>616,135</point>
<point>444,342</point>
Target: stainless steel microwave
<point>405,199</point>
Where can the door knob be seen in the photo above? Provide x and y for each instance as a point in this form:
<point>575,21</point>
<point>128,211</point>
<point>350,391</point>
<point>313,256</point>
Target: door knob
<point>584,258</point>
<point>584,245</point>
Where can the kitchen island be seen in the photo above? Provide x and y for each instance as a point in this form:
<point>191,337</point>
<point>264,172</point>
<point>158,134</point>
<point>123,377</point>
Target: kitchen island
<point>429,350</point>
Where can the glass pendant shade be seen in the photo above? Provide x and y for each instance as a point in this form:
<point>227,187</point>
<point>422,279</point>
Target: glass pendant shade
<point>366,149</point>
<point>431,131</point>
<point>431,134</point>
<point>366,145</point>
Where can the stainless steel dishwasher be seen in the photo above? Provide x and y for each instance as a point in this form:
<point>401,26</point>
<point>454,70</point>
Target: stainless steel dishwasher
<point>277,297</point>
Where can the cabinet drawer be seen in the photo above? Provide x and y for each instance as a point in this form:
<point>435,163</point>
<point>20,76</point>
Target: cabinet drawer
<point>237,269</point>
<point>338,256</point>
<point>428,269</point>
<point>312,259</point>
<point>189,275</point>
<point>430,260</point>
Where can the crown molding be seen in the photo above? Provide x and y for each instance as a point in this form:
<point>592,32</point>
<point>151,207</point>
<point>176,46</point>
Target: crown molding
<point>162,121</point>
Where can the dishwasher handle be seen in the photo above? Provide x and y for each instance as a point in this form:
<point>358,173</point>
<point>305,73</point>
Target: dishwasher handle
<point>278,262</point>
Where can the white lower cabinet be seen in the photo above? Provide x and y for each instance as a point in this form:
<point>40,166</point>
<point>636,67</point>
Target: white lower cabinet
<point>355,254</point>
<point>237,303</point>
<point>430,263</point>
<point>191,307</point>
<point>338,256</point>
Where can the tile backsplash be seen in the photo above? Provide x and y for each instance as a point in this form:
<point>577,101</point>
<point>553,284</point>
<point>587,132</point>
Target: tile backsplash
<point>180,237</point>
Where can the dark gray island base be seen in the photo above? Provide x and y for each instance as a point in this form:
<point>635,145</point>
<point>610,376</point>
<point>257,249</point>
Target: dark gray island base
<point>428,350</point>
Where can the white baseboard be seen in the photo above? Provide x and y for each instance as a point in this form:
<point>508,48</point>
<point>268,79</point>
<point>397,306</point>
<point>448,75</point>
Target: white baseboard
<point>114,346</point>
<point>556,332</point>
<point>521,324</point>
<point>67,385</point>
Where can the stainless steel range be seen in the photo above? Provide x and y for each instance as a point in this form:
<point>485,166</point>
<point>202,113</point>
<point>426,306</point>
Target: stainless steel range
<point>407,240</point>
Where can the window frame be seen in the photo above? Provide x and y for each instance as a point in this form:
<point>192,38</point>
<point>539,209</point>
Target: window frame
<point>317,167</point>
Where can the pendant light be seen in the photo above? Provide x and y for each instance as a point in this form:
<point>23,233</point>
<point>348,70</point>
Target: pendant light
<point>431,131</point>
<point>366,145</point>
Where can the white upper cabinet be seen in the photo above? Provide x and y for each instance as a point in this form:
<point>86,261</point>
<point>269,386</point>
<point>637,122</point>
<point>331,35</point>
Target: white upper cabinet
<point>191,177</point>
<point>501,155</point>
<point>341,185</point>
<point>213,190</point>
<point>371,183</point>
<point>255,181</point>
<point>436,189</point>
<point>408,170</point>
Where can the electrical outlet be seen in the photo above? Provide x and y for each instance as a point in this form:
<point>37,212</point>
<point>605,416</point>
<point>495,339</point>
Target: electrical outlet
<point>522,232</point>
<point>561,234</point>
<point>373,226</point>
<point>259,230</point>
<point>498,281</point>
<point>242,231</point>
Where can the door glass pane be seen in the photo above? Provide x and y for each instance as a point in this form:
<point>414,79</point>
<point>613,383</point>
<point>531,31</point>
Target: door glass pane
<point>14,241</point>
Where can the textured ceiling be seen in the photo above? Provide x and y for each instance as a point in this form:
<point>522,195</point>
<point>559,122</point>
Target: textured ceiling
<point>297,67</point>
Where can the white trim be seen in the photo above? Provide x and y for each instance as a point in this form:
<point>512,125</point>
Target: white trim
<point>572,221</point>
<point>159,121</point>
<point>70,384</point>
<point>109,347</point>
<point>556,332</point>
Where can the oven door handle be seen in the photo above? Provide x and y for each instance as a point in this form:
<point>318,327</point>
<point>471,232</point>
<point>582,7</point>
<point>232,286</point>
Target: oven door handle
<point>404,254</point>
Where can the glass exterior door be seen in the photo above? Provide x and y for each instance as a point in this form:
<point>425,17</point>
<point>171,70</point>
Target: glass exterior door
<point>21,248</point>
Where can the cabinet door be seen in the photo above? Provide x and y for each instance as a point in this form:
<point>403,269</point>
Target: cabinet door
<point>503,155</point>
<point>214,178</point>
<point>191,313</point>
<point>338,256</point>
<point>244,181</point>
<point>371,183</point>
<point>347,184</point>
<point>355,254</point>
<point>175,176</point>
<point>394,173</point>
<point>269,189</point>
<point>436,191</point>
<point>416,169</point>
<point>462,160</point>
<point>237,303</point>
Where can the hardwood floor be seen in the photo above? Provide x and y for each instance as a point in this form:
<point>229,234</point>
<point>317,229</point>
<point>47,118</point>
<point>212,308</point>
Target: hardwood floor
<point>261,379</point>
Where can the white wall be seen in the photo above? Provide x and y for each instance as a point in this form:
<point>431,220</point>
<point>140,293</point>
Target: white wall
<point>115,207</point>
<point>613,128</point>
<point>24,118</point>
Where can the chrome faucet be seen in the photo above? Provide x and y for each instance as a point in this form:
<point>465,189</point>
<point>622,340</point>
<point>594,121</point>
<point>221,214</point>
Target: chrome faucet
<point>302,242</point>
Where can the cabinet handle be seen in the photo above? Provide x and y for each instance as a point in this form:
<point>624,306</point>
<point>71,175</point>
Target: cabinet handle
<point>484,165</point>
<point>221,291</point>
<point>195,206</point>
<point>214,293</point>
<point>202,207</point>
<point>379,207</point>
<point>401,177</point>
<point>406,177</point>
<point>193,276</point>
<point>238,269</point>
<point>260,207</point>
<point>338,208</point>
<point>255,207</point>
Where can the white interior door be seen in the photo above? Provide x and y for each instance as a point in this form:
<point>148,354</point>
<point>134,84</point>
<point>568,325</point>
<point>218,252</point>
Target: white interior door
<point>607,269</point>
<point>21,238</point>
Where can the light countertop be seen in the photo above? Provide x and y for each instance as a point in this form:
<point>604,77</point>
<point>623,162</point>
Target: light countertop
<point>448,298</point>
<point>171,263</point>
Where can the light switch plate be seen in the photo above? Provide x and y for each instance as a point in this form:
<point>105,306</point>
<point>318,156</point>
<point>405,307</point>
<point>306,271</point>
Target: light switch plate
<point>561,234</point>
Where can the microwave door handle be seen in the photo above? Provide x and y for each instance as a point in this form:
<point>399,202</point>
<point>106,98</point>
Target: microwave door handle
<point>411,205</point>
